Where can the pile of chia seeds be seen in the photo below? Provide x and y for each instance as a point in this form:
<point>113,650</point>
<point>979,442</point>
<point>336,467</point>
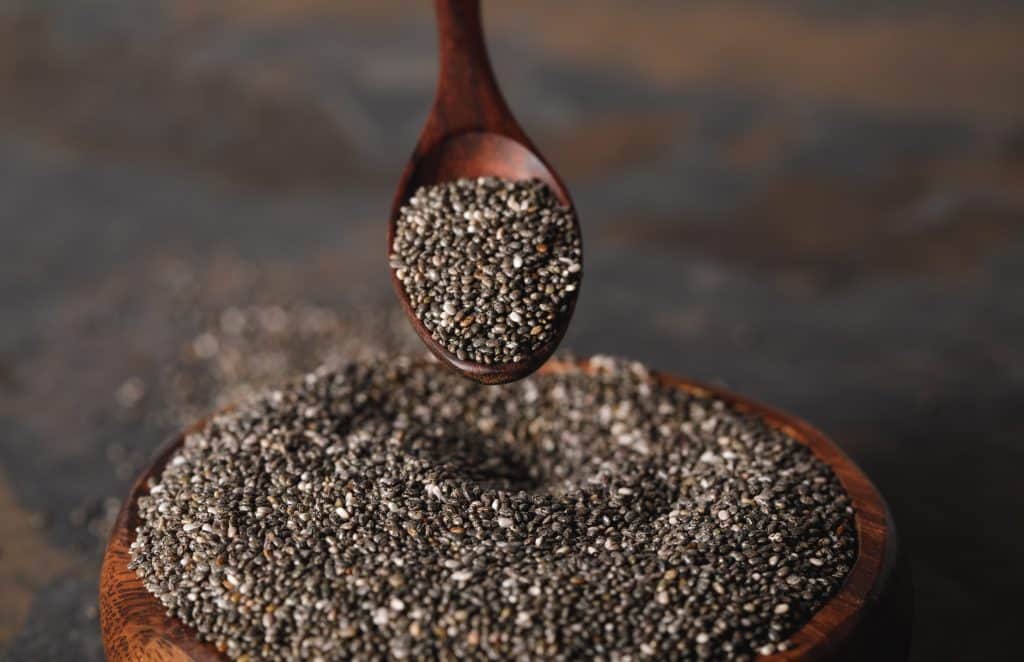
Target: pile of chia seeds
<point>488,265</point>
<point>243,349</point>
<point>393,509</point>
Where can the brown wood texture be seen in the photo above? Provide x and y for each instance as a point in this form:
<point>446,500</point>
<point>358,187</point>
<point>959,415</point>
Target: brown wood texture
<point>135,625</point>
<point>471,132</point>
<point>869,618</point>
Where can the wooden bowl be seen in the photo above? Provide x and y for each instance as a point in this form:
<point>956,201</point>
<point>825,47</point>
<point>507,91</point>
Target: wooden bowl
<point>869,618</point>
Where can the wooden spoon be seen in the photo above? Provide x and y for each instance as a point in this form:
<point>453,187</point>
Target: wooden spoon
<point>867,619</point>
<point>471,133</point>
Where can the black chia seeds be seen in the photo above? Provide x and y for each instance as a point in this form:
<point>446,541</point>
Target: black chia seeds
<point>488,265</point>
<point>243,349</point>
<point>392,509</point>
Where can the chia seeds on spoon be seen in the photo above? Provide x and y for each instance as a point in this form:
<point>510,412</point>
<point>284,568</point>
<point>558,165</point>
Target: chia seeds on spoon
<point>488,265</point>
<point>392,509</point>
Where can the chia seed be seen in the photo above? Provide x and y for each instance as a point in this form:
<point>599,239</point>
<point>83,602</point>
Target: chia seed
<point>389,508</point>
<point>488,265</point>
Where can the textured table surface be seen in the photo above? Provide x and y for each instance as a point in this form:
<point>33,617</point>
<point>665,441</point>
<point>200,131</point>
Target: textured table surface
<point>819,206</point>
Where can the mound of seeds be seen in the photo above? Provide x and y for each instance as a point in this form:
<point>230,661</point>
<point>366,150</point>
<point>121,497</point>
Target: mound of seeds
<point>394,509</point>
<point>488,265</point>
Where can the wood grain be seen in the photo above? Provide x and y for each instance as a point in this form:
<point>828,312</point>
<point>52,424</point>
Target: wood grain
<point>471,132</point>
<point>135,625</point>
<point>869,618</point>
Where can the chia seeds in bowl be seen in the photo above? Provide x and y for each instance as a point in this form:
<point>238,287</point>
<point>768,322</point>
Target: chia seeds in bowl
<point>392,509</point>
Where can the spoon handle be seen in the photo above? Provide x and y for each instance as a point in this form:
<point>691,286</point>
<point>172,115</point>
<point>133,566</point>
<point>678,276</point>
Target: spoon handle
<point>468,98</point>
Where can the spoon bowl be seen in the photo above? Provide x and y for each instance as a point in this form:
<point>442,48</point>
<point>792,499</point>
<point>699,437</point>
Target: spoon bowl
<point>477,154</point>
<point>470,133</point>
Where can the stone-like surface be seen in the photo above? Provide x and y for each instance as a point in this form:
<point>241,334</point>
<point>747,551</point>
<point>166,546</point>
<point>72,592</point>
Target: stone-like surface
<point>773,194</point>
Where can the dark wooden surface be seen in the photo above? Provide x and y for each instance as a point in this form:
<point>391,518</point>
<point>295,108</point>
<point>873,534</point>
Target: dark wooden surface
<point>849,626</point>
<point>470,132</point>
<point>817,204</point>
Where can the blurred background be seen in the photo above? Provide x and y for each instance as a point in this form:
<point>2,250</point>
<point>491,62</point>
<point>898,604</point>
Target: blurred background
<point>819,204</point>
